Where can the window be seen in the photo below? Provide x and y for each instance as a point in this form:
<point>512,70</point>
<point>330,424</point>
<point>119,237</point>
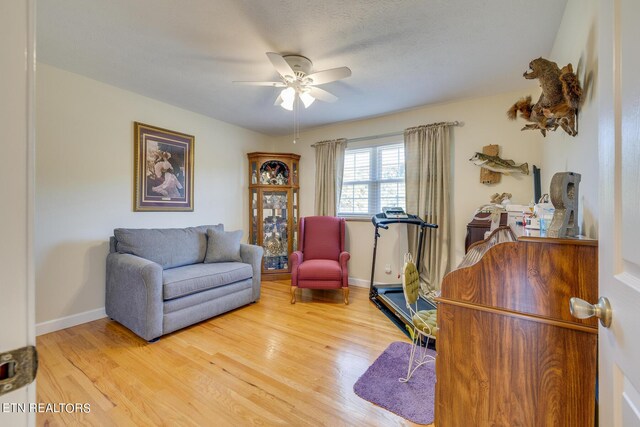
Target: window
<point>373,178</point>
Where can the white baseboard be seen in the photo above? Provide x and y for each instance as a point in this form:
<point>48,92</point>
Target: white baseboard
<point>69,321</point>
<point>99,313</point>
<point>358,283</point>
<point>362,283</point>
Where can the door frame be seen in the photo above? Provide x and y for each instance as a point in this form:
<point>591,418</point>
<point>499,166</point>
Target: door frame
<point>18,20</point>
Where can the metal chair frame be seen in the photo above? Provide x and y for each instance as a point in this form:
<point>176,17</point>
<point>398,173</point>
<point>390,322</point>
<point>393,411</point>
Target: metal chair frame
<point>410,290</point>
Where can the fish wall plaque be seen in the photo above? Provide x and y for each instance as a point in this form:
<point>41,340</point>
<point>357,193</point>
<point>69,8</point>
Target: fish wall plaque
<point>498,164</point>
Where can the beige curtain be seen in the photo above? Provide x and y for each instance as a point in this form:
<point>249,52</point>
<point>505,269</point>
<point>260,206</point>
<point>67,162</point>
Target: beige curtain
<point>329,169</point>
<point>427,169</point>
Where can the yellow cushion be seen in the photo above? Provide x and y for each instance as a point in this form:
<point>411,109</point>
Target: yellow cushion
<point>425,321</point>
<point>410,282</point>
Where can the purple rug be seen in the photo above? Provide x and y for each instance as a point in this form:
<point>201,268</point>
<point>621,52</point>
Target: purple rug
<point>413,400</point>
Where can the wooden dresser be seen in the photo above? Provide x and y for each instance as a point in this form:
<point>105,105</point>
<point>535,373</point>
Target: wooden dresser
<point>480,224</point>
<point>509,351</point>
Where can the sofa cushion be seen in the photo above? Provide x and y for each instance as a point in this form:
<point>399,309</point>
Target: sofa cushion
<point>188,301</point>
<point>223,246</point>
<point>169,247</point>
<point>189,279</point>
<point>319,269</point>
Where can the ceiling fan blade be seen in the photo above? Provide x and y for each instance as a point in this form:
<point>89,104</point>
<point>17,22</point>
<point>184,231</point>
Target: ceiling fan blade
<point>322,94</point>
<point>272,84</point>
<point>280,64</point>
<point>327,76</point>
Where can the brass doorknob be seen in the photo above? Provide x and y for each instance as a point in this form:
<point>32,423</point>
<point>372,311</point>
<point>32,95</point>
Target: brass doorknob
<point>581,309</point>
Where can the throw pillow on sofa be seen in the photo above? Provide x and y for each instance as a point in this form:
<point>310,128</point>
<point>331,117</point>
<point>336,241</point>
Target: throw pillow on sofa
<point>223,246</point>
<point>169,247</point>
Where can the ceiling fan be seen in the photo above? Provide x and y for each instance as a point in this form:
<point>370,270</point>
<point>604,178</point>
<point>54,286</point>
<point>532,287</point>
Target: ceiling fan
<point>297,79</point>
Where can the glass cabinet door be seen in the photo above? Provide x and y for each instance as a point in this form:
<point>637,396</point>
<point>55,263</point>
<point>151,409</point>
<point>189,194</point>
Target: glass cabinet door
<point>294,178</point>
<point>254,217</point>
<point>295,215</point>
<point>253,179</point>
<point>275,229</point>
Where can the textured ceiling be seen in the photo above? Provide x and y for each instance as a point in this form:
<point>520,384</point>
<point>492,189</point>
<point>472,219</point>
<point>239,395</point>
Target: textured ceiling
<point>403,53</point>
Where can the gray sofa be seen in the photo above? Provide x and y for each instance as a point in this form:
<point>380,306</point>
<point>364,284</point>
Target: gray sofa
<point>158,280</point>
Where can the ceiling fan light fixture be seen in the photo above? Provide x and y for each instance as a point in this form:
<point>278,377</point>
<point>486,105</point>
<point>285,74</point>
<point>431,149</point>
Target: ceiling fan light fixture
<point>307,99</point>
<point>298,81</point>
<point>288,96</point>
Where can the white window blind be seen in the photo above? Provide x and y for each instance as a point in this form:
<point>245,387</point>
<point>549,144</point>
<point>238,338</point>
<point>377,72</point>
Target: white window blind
<point>373,178</point>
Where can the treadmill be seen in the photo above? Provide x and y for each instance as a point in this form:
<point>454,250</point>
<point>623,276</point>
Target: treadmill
<point>389,298</point>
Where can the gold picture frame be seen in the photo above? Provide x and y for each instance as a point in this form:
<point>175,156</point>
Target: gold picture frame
<point>163,169</point>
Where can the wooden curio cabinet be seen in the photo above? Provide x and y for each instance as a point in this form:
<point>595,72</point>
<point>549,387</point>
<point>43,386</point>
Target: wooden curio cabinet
<point>274,202</point>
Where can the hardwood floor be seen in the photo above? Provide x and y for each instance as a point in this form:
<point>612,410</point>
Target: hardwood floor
<point>270,363</point>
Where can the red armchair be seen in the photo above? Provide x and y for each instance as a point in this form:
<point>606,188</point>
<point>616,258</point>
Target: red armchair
<point>321,262</point>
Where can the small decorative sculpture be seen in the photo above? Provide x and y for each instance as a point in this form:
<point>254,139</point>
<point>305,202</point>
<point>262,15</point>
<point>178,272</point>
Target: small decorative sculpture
<point>558,104</point>
<point>274,172</point>
<point>273,244</point>
<point>270,175</point>
<point>498,198</point>
<point>564,196</point>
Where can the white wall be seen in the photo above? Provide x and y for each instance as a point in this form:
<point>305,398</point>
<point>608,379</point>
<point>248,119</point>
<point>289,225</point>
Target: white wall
<point>84,182</point>
<point>484,122</point>
<point>576,43</point>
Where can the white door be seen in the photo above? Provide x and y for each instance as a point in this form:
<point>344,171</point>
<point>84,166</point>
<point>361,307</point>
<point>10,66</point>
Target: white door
<point>16,192</point>
<point>619,229</point>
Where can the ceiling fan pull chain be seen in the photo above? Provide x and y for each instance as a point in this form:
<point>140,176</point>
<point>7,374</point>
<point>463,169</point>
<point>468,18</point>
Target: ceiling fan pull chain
<point>295,120</point>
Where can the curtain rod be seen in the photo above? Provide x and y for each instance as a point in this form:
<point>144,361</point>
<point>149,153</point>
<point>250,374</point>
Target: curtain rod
<point>386,135</point>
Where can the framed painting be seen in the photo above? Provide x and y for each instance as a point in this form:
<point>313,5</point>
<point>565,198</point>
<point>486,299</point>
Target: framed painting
<point>163,169</point>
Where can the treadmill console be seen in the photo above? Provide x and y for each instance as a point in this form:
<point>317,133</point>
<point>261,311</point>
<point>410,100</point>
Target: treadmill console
<point>394,212</point>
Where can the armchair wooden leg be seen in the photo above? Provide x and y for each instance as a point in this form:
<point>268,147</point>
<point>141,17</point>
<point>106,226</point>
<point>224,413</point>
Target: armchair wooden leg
<point>293,294</point>
<point>345,291</point>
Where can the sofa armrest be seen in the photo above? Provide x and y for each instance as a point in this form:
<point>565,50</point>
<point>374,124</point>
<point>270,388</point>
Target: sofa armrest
<point>134,294</point>
<point>343,259</point>
<point>296,259</point>
<point>252,254</point>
